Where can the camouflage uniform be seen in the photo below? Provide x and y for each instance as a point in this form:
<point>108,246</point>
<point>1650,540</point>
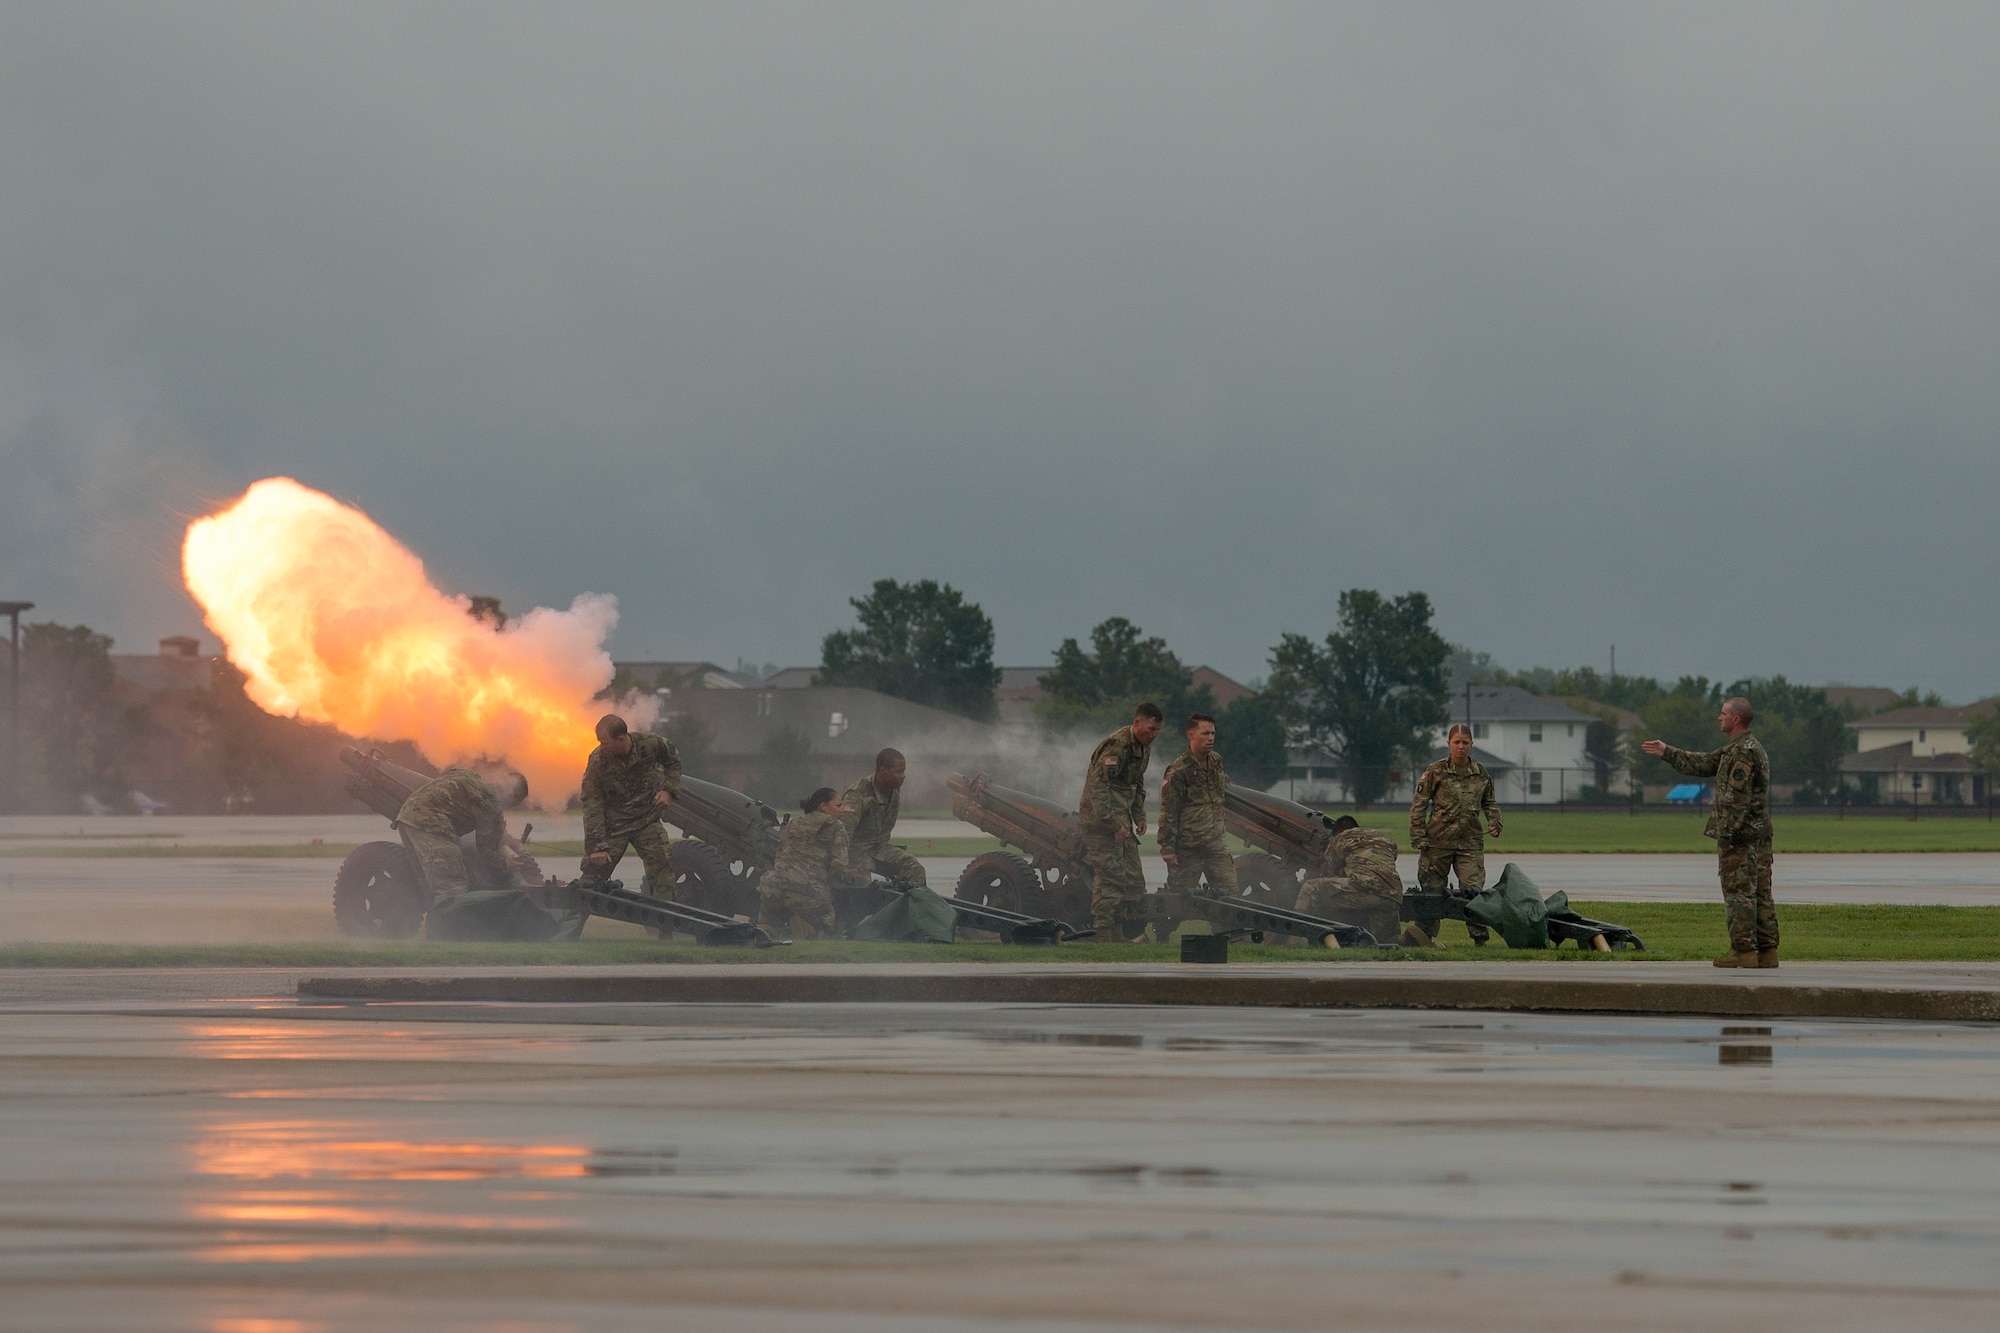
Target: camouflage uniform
<point>454,803</point>
<point>868,830</point>
<point>1448,819</point>
<point>1360,886</point>
<point>812,855</point>
<point>1191,824</point>
<point>1114,802</point>
<point>618,809</point>
<point>1741,827</point>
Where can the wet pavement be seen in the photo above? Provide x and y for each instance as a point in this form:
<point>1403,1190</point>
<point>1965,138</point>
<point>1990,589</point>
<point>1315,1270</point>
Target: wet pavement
<point>250,1164</point>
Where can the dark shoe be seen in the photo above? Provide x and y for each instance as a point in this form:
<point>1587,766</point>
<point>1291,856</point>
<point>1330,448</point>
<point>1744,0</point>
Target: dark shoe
<point>1738,960</point>
<point>1767,958</point>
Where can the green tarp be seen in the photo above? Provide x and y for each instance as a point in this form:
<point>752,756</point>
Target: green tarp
<point>919,916</point>
<point>1515,909</point>
<point>500,914</point>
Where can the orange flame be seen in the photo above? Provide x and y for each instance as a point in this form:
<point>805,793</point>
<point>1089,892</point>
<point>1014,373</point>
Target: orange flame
<point>333,620</point>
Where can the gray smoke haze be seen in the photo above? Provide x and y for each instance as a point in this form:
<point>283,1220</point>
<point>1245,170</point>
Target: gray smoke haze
<point>1574,316</point>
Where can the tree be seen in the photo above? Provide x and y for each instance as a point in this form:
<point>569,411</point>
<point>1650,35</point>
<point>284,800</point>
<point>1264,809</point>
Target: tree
<point>1683,717</point>
<point>74,734</point>
<point>785,771</point>
<point>1250,736</point>
<point>1097,690</point>
<point>1805,734</point>
<point>1604,747</point>
<point>918,641</point>
<point>1984,733</point>
<point>1375,692</point>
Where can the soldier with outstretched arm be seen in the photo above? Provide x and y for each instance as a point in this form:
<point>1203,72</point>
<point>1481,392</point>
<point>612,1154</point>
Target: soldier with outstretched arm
<point>1112,819</point>
<point>1192,839</point>
<point>1741,827</point>
<point>1452,814</point>
<point>628,784</point>
<point>870,808</point>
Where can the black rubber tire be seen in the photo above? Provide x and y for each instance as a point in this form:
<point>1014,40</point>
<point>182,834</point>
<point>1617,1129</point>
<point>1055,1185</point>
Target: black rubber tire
<point>1065,894</point>
<point>1002,879</point>
<point>378,894</point>
<point>1264,879</point>
<point>704,877</point>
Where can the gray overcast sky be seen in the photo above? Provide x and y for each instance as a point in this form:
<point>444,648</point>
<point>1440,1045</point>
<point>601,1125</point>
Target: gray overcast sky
<point>1668,326</point>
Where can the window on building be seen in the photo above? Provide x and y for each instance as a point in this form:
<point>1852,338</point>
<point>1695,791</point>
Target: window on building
<point>763,705</point>
<point>836,724</point>
<point>1479,731</point>
<point>1922,734</point>
<point>1534,782</point>
<point>1569,729</point>
<point>1534,733</point>
<point>1916,782</point>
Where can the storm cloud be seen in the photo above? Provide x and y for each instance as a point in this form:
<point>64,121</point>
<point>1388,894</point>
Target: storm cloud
<point>1669,327</point>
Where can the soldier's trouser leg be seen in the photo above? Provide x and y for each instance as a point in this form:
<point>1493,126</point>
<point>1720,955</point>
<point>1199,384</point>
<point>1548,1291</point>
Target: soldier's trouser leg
<point>439,862</point>
<point>779,903</point>
<point>651,844</point>
<point>1117,882</point>
<point>895,863</point>
<point>1209,859</point>
<point>1435,865</point>
<point>1353,903</point>
<point>1745,870</point>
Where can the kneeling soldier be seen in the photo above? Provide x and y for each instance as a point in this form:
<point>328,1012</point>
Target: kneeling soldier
<point>1192,840</point>
<point>812,856</point>
<point>454,803</point>
<point>869,810</point>
<point>1359,884</point>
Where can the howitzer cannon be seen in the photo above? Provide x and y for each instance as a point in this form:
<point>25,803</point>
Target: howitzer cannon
<point>732,839</point>
<point>1052,880</point>
<point>665,918</point>
<point>1056,882</point>
<point>377,892</point>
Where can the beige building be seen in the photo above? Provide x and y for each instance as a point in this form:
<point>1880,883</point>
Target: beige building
<point>1919,755</point>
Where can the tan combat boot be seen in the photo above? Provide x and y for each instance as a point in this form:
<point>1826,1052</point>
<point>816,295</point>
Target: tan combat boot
<point>1740,959</point>
<point>1767,957</point>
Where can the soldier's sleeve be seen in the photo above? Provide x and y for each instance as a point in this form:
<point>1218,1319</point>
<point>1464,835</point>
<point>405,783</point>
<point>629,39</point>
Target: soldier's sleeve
<point>1420,809</point>
<point>1170,807</point>
<point>1138,805</point>
<point>593,807</point>
<point>668,756</point>
<point>838,843</point>
<point>489,835</point>
<point>1489,803</point>
<point>852,798</point>
<point>1692,762</point>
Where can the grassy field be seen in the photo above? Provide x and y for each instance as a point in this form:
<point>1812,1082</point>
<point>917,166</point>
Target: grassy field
<point>1671,931</point>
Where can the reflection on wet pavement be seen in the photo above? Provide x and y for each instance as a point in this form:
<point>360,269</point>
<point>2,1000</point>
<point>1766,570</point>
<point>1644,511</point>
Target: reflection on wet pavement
<point>275,1166</point>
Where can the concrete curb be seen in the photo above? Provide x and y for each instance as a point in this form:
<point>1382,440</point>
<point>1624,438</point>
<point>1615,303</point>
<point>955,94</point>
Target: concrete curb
<point>978,986</point>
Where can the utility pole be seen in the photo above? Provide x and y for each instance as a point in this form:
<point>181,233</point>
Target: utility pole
<point>1614,661</point>
<point>13,610</point>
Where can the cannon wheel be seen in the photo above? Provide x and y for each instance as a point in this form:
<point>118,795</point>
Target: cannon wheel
<point>1065,894</point>
<point>1001,879</point>
<point>377,893</point>
<point>703,877</point>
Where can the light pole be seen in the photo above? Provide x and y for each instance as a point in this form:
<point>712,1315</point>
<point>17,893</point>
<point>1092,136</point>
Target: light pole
<point>13,610</point>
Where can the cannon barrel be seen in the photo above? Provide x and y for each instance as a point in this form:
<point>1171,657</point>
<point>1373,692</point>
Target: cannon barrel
<point>741,827</point>
<point>377,783</point>
<point>1038,826</point>
<point>1296,834</point>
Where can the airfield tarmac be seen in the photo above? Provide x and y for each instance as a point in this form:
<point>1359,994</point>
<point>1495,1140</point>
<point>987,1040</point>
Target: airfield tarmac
<point>199,1151</point>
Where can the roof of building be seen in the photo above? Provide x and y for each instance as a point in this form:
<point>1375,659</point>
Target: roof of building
<point>1866,698</point>
<point>1953,716</point>
<point>1023,680</point>
<point>1899,759</point>
<point>1226,691</point>
<point>1510,703</point>
<point>790,678</point>
<point>711,676</point>
<point>1626,719</point>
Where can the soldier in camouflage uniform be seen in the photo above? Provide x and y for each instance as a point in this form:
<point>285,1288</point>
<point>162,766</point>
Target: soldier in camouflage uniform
<point>1454,799</point>
<point>454,803</point>
<point>1358,883</point>
<point>1741,827</point>
<point>628,784</point>
<point>871,806</point>
<point>1112,818</point>
<point>812,856</point>
<point>1191,834</point>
